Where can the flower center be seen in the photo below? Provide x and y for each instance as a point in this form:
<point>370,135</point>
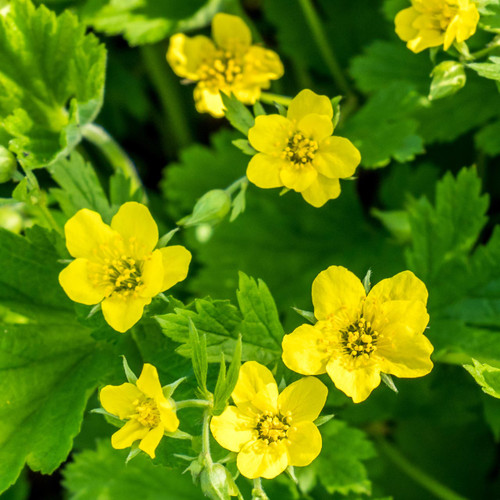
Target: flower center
<point>359,339</point>
<point>147,413</point>
<point>273,428</point>
<point>300,150</point>
<point>225,68</point>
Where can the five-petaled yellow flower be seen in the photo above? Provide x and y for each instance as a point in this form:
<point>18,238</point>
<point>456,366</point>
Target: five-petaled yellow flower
<point>357,336</point>
<point>430,23</point>
<point>231,65</point>
<point>118,264</point>
<point>299,152</point>
<point>149,414</point>
<point>271,431</point>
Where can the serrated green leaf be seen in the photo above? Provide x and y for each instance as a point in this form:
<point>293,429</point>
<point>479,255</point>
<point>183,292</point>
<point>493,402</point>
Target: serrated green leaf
<point>51,82</point>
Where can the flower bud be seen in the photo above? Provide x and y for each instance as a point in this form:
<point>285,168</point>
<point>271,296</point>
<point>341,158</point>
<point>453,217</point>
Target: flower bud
<point>7,165</point>
<point>212,207</point>
<point>448,78</point>
<point>217,482</point>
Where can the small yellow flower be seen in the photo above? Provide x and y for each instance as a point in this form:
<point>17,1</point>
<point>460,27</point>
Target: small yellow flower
<point>148,413</point>
<point>270,431</point>
<point>430,23</point>
<point>357,336</point>
<point>299,152</point>
<point>118,264</point>
<point>231,65</point>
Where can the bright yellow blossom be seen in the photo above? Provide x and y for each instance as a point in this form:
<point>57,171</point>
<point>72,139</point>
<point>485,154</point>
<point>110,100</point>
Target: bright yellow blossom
<point>118,265</point>
<point>430,23</point>
<point>231,64</point>
<point>270,431</point>
<point>357,336</point>
<point>299,152</point>
<point>149,414</point>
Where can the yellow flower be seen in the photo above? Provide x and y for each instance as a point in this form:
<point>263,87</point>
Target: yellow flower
<point>358,336</point>
<point>270,431</point>
<point>149,414</point>
<point>118,264</point>
<point>231,65</point>
<point>430,23</point>
<point>299,152</point>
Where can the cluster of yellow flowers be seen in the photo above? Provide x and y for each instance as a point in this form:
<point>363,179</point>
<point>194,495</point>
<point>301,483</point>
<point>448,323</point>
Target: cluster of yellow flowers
<point>359,334</point>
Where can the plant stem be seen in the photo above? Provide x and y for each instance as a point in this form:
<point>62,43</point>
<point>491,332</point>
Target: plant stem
<point>235,185</point>
<point>205,439</point>
<point>484,52</point>
<point>324,47</point>
<point>269,98</point>
<point>114,153</point>
<point>192,403</point>
<point>258,492</point>
<point>425,480</point>
<point>167,88</point>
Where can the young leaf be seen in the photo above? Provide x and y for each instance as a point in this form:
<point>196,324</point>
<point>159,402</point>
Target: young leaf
<point>199,358</point>
<point>488,377</point>
<point>238,114</point>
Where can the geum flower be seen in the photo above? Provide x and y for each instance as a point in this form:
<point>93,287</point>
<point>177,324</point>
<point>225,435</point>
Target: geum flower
<point>148,413</point>
<point>299,152</point>
<point>231,65</point>
<point>270,431</point>
<point>357,336</point>
<point>118,265</point>
<point>431,23</point>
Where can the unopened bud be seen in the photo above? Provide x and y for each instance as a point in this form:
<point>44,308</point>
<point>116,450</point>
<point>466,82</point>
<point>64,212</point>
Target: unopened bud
<point>7,165</point>
<point>217,482</point>
<point>211,208</point>
<point>448,78</point>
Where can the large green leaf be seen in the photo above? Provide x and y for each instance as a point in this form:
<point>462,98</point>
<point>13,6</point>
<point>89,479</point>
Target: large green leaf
<point>49,363</point>
<point>51,81</point>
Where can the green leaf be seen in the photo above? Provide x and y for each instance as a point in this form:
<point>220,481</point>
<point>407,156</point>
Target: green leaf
<point>51,82</point>
<point>339,467</point>
<point>488,139</point>
<point>49,363</point>
<point>382,130</point>
<point>227,382</point>
<point>486,376</point>
<point>490,70</point>
<point>147,21</point>
<point>237,114</point>
<point>199,349</point>
<point>103,473</point>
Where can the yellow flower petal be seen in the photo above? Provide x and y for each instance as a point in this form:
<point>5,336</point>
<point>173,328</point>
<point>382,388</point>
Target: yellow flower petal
<point>118,399</point>
<point>315,126</point>
<point>321,190</point>
<point>306,102</point>
<point>336,290</point>
<point>253,377</point>
<point>305,444</point>
<point>304,399</point>
<point>357,382</point>
<point>186,54</point>
<point>176,260</point>
<point>230,32</point>
<point>122,314</point>
<point>135,223</point>
<point>208,101</point>
<point>75,282</point>
<point>298,178</point>
<point>257,459</point>
<point>233,428</point>
<point>410,317</point>
<point>402,286</point>
<point>425,40</point>
<point>168,416</point>
<point>404,24</point>
<point>270,133</point>
<point>130,432</point>
<point>264,170</point>
<point>152,439</point>
<point>247,92</point>
<point>85,231</point>
<point>337,158</point>
<point>301,352</point>
<point>152,275</point>
<point>266,400</point>
<point>266,65</point>
<point>149,383</point>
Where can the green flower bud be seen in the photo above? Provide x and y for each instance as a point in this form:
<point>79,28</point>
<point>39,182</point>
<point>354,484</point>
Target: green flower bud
<point>212,207</point>
<point>448,78</point>
<point>8,165</point>
<point>217,482</point>
<point>11,219</point>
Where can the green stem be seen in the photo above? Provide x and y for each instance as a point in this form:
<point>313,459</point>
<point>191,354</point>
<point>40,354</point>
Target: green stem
<point>258,492</point>
<point>425,480</point>
<point>235,185</point>
<point>484,52</point>
<point>205,439</point>
<point>269,98</point>
<point>46,214</point>
<point>167,88</point>
<point>324,47</point>
<point>119,160</point>
<point>192,403</point>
